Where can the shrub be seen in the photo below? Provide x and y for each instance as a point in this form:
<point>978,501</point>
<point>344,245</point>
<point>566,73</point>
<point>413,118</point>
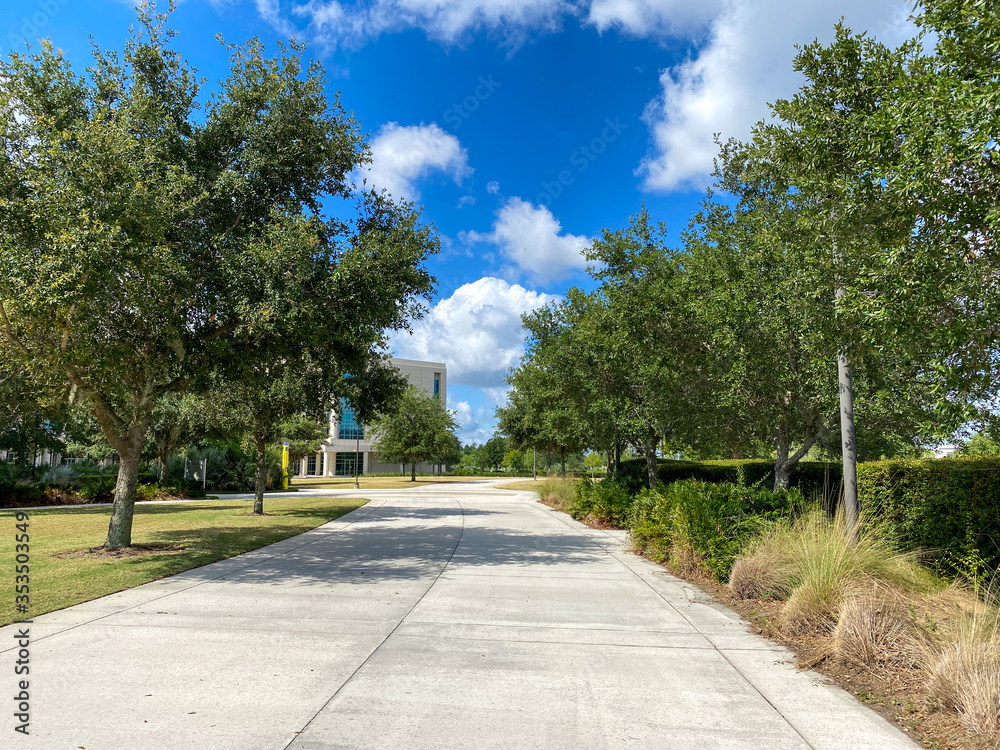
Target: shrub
<point>61,476</point>
<point>12,496</point>
<point>949,506</point>
<point>707,522</point>
<point>97,488</point>
<point>147,492</point>
<point>607,501</point>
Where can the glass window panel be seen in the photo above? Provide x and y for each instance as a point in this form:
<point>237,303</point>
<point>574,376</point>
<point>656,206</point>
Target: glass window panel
<point>349,428</point>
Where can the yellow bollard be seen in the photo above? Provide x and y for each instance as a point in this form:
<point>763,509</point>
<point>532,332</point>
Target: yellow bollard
<point>284,466</point>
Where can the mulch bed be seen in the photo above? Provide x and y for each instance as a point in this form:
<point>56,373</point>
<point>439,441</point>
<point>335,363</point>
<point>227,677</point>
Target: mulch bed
<point>58,498</point>
<point>135,550</point>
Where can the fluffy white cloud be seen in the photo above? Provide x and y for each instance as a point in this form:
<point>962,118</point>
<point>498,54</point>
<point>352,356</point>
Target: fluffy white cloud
<point>474,425</point>
<point>493,187</point>
<point>476,331</point>
<point>401,155</point>
<point>533,239</point>
<point>746,63</point>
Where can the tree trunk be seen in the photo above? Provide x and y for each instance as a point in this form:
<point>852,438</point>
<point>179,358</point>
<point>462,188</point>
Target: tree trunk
<point>849,451</point>
<point>260,478</point>
<point>413,471</point>
<point>650,450</point>
<point>781,467</point>
<point>129,450</point>
<point>618,458</point>
<point>166,442</point>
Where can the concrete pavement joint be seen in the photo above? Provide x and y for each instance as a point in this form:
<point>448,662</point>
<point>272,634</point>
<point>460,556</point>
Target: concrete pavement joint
<point>388,636</point>
<point>712,645</point>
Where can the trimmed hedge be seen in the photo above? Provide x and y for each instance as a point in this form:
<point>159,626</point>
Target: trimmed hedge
<point>948,506</point>
<point>809,477</point>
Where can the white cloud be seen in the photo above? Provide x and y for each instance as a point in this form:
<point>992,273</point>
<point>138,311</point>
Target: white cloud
<point>653,17</point>
<point>474,425</point>
<point>476,331</point>
<point>466,200</point>
<point>493,187</point>
<point>401,155</point>
<point>532,238</point>
<point>746,63</point>
<point>354,24</point>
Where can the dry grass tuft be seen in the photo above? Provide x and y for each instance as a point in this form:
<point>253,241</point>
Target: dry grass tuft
<point>963,669</point>
<point>875,629</point>
<point>763,575</point>
<point>813,563</point>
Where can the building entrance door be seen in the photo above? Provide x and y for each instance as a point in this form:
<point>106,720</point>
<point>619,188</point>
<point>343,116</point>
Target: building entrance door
<point>347,462</point>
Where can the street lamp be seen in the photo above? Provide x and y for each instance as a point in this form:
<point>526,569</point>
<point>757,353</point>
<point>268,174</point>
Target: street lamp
<point>357,452</point>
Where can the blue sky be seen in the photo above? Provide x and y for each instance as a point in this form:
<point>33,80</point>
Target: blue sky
<point>523,127</point>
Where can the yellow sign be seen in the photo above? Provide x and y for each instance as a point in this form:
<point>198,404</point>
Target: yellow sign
<point>284,466</point>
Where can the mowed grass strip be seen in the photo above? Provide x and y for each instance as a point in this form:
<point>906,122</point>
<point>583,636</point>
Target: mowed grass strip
<point>376,483</point>
<point>199,533</point>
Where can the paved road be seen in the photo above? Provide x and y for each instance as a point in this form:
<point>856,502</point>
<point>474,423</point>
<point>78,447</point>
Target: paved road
<point>444,617</point>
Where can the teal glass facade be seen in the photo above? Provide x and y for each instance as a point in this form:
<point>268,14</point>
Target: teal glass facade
<point>349,427</point>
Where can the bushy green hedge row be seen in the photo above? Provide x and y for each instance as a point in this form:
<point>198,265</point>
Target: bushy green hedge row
<point>810,477</point>
<point>712,521</point>
<point>949,507</point>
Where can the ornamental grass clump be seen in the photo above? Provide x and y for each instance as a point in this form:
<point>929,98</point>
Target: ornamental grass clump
<point>558,492</point>
<point>963,668</point>
<point>813,563</point>
<point>876,628</point>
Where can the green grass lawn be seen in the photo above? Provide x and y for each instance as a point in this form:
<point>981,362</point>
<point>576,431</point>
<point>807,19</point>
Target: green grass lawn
<point>205,532</point>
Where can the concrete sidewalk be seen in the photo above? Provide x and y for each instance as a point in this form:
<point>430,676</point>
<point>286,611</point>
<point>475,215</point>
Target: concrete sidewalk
<point>443,617</point>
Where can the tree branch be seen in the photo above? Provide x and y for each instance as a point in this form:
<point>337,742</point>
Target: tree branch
<point>9,331</point>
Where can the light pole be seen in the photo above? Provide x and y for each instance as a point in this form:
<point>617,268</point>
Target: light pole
<point>357,452</point>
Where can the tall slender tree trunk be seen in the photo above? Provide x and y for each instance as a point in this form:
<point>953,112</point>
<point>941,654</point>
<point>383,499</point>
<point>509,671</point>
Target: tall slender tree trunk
<point>649,449</point>
<point>849,454</point>
<point>413,471</point>
<point>782,472</point>
<point>260,477</point>
<point>129,447</point>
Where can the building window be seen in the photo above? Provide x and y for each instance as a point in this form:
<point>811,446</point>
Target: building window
<point>311,465</point>
<point>350,428</point>
<point>346,462</point>
<point>437,385</point>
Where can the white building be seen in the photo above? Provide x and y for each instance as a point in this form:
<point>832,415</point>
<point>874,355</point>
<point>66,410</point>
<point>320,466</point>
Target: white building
<point>347,444</point>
